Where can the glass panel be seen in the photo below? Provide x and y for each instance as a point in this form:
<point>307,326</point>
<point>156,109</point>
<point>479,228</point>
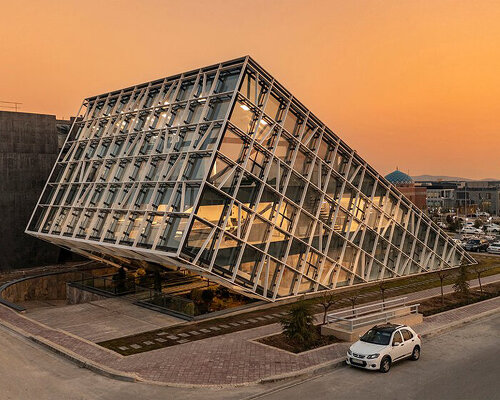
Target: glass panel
<point>287,283</point>
<point>247,193</point>
<point>295,188</point>
<point>259,232</point>
<point>278,245</point>
<point>212,205</point>
<point>296,253</point>
<point>233,147</point>
<point>268,204</point>
<point>248,268</point>
<point>286,215</point>
<point>304,226</point>
<point>197,236</point>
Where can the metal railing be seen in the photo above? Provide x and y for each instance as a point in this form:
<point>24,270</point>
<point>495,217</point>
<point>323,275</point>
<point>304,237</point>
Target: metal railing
<point>383,312</point>
<point>140,294</point>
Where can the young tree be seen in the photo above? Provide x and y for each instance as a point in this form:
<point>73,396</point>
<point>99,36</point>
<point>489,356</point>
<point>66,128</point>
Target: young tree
<point>298,324</point>
<point>353,297</point>
<point>479,269</point>
<point>461,285</point>
<point>442,274</point>
<point>327,301</point>
<point>382,286</point>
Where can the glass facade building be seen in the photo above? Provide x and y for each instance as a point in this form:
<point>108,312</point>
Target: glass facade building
<point>223,172</point>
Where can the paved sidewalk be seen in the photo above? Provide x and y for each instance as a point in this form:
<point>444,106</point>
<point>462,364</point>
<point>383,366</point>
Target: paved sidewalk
<point>231,359</point>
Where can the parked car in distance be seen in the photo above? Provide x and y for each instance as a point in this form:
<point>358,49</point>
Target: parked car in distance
<point>493,228</point>
<point>471,230</point>
<point>476,245</point>
<point>494,248</point>
<point>383,345</point>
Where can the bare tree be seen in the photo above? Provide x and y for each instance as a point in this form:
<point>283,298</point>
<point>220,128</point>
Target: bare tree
<point>442,274</point>
<point>479,269</point>
<point>353,297</point>
<point>327,301</point>
<point>382,286</point>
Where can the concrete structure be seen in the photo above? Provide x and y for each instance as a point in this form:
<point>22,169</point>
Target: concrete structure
<point>348,324</point>
<point>28,150</point>
<point>222,171</point>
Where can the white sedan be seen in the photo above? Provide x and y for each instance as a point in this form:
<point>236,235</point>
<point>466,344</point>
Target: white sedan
<point>494,248</point>
<point>382,345</point>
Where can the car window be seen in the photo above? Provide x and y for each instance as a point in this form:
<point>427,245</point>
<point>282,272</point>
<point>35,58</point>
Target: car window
<point>407,335</point>
<point>376,336</point>
<point>397,338</point>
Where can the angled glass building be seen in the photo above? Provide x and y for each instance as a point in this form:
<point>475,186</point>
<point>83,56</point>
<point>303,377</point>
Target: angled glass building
<point>223,172</point>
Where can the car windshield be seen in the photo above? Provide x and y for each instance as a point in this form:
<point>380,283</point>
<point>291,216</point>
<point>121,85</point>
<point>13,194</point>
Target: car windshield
<point>473,242</point>
<point>376,336</point>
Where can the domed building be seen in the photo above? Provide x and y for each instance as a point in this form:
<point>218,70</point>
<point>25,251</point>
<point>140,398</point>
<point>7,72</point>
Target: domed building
<point>399,178</point>
<point>406,185</point>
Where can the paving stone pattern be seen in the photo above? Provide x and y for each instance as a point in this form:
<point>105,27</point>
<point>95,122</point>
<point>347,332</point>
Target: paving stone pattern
<point>232,358</point>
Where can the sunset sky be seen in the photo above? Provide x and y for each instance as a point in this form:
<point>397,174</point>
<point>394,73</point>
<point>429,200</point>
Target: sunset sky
<point>414,84</point>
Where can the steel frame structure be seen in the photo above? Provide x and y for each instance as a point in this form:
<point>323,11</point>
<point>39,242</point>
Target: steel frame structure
<point>222,171</point>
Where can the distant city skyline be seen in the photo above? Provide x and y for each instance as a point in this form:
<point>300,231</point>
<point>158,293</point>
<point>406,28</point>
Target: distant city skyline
<point>408,84</point>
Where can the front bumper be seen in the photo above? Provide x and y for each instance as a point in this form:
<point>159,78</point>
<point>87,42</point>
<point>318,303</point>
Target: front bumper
<point>365,363</point>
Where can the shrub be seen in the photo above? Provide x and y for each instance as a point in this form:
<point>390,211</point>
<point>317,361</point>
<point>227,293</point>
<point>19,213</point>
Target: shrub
<point>207,296</point>
<point>298,325</point>
<point>222,292</point>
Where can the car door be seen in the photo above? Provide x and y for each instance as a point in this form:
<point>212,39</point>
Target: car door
<point>409,341</point>
<point>398,346</point>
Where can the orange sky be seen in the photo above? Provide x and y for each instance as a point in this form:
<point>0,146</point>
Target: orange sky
<point>414,84</point>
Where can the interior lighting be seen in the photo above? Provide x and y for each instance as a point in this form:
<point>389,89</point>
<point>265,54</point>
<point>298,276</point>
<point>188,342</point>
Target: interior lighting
<point>246,108</point>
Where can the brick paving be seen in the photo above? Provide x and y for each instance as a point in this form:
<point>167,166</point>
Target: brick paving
<point>233,358</point>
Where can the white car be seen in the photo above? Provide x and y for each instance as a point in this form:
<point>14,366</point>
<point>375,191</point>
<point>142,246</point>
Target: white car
<point>382,345</point>
<point>471,230</point>
<point>494,248</point>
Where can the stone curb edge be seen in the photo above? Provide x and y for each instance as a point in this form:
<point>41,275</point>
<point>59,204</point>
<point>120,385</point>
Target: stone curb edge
<point>330,365</point>
<point>71,356</point>
<point>132,377</point>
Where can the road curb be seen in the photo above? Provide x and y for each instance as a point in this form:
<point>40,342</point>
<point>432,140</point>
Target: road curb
<point>84,362</point>
<point>303,373</point>
<point>71,356</point>
<point>459,323</point>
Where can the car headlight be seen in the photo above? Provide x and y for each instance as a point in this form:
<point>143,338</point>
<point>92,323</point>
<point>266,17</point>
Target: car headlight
<point>349,352</point>
<point>372,356</point>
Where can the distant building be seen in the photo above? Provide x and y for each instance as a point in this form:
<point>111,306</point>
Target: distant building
<point>441,196</point>
<point>405,184</point>
<point>29,145</point>
<point>483,196</point>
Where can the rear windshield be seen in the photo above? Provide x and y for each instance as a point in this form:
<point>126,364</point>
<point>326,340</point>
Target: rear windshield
<point>376,336</point>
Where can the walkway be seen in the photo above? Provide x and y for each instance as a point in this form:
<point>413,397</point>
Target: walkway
<point>230,359</point>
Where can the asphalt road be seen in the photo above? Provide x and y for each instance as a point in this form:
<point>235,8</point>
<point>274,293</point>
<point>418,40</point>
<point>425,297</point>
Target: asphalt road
<point>461,364</point>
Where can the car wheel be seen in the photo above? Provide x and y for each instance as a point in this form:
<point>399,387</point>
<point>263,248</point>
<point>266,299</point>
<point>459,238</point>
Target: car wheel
<point>385,364</point>
<point>415,355</point>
